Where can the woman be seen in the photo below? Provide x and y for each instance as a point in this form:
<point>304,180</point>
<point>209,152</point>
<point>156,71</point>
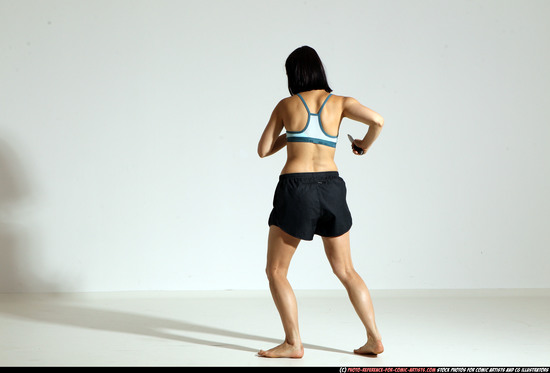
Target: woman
<point>310,197</point>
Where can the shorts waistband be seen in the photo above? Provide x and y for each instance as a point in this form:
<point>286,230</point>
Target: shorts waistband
<point>310,175</point>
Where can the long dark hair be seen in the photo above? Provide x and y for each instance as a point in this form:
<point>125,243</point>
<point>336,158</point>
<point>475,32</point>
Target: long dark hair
<point>305,71</point>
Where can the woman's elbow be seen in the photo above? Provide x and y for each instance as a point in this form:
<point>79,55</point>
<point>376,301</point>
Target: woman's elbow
<point>261,152</point>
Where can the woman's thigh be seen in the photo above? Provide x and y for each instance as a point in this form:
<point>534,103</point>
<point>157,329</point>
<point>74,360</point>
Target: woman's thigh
<point>338,252</point>
<point>280,248</point>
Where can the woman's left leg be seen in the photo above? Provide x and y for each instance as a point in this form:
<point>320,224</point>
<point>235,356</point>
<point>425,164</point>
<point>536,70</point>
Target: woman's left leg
<point>280,249</point>
<point>339,255</point>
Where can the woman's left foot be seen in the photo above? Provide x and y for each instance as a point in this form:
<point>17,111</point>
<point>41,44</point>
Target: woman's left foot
<point>372,347</point>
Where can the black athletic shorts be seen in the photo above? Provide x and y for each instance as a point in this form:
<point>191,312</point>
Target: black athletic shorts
<point>309,203</point>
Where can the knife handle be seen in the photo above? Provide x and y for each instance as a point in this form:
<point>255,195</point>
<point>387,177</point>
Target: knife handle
<point>359,150</point>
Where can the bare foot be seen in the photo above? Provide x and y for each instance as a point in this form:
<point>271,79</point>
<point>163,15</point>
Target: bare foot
<point>284,350</point>
<point>372,347</point>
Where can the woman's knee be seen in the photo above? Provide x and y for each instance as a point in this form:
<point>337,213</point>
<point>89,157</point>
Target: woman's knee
<point>345,274</point>
<point>275,273</point>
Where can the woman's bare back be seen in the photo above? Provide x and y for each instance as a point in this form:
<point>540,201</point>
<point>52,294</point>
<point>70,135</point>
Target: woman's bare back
<point>306,156</point>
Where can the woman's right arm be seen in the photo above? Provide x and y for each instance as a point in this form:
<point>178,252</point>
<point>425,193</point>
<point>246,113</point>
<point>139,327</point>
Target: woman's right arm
<point>272,141</point>
<point>355,111</point>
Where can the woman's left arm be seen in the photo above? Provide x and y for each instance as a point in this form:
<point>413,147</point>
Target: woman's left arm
<point>271,141</point>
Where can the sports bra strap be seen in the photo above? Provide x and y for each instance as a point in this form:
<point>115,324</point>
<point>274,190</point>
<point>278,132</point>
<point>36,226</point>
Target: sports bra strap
<point>322,106</point>
<point>304,102</point>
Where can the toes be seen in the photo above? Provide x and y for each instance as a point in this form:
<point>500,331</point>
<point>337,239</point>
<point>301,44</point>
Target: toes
<point>263,353</point>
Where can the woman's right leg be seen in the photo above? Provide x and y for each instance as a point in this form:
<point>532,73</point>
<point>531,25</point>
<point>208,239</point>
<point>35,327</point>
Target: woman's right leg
<point>280,249</point>
<point>339,255</point>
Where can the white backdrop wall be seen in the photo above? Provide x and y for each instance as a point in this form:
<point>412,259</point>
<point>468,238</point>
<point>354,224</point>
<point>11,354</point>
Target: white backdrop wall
<point>128,134</point>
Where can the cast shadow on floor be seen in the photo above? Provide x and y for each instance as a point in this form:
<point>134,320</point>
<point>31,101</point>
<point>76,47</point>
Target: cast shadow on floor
<point>49,309</point>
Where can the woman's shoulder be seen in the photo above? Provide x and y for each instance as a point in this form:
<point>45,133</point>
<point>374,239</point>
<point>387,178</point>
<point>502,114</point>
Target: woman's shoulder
<point>346,101</point>
<point>342,101</point>
<point>287,102</point>
<point>345,98</point>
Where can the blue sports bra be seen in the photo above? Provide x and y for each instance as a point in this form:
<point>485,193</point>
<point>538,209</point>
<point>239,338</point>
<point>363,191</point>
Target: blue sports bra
<point>313,132</point>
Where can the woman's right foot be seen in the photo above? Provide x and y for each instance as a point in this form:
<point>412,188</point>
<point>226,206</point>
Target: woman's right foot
<point>284,350</point>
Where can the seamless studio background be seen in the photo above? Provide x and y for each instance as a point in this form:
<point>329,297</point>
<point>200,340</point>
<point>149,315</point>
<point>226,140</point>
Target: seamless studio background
<point>128,134</point>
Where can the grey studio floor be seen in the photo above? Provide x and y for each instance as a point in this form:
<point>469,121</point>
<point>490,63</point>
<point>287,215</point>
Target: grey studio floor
<point>449,328</point>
